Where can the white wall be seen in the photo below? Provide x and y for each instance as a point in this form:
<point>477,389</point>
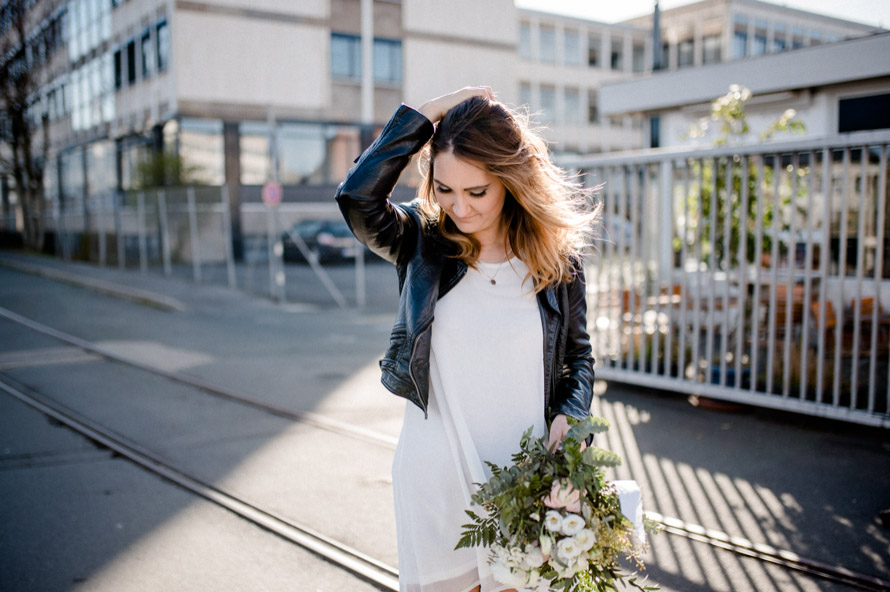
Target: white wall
<point>283,67</point>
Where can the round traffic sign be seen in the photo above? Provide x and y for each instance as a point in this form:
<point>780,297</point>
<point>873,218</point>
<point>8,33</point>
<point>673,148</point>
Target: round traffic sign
<point>272,193</point>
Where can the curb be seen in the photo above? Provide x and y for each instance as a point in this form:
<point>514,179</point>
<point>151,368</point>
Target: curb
<point>144,297</point>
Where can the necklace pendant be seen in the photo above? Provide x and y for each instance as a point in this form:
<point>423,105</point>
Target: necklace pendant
<point>493,283</point>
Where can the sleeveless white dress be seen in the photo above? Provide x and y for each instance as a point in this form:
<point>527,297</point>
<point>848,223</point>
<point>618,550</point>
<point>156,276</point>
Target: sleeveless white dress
<point>486,389</point>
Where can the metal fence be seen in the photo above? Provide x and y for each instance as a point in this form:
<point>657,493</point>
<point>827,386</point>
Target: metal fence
<point>758,275</point>
<point>187,232</point>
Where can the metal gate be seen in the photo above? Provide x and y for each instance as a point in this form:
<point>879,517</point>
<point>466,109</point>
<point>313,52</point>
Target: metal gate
<point>752,274</point>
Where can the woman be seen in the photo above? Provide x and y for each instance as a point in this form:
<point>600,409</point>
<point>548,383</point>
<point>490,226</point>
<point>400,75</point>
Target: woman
<point>490,336</point>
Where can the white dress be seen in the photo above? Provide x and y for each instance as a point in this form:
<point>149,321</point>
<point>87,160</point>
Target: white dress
<point>486,389</point>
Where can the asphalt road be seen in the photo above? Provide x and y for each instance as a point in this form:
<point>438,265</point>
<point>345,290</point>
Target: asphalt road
<point>76,517</point>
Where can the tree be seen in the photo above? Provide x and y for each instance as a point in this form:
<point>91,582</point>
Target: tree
<point>727,178</point>
<point>24,124</point>
<point>165,169</point>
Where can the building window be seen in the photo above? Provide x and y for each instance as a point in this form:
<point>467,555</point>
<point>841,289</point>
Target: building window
<point>864,113</point>
<point>388,61</point>
<point>147,54</point>
<point>118,69</point>
<point>797,37</point>
<point>201,146</point>
<point>685,54</point>
<point>639,57</point>
<point>525,41</point>
<point>548,103</point>
<point>346,58</point>
<point>162,32</point>
<point>593,111</point>
<point>593,51</point>
<point>572,48</point>
<point>655,131</point>
<point>547,38</point>
<point>525,95</point>
<point>779,43</point>
<point>131,62</point>
<point>617,58</point>
<point>711,46</point>
<point>815,37</point>
<point>253,139</point>
<point>572,106</point>
<point>301,153</point>
<point>740,37</point>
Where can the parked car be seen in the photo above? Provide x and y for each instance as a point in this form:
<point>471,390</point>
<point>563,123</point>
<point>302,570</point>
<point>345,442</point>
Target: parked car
<point>330,241</point>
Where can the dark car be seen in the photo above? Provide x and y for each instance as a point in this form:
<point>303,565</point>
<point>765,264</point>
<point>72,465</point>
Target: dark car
<point>329,240</point>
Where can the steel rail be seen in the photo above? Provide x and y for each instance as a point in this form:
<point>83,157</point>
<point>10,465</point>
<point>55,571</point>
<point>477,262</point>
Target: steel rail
<point>312,419</point>
<point>770,554</point>
<point>695,532</point>
<point>375,572</point>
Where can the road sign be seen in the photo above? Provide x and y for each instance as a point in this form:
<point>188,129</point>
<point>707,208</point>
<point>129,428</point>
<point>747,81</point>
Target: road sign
<point>272,193</point>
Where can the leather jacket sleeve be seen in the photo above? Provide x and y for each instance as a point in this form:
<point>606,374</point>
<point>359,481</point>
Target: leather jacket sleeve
<point>363,196</point>
<point>574,388</point>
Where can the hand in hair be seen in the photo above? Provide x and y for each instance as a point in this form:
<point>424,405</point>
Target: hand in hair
<point>435,109</point>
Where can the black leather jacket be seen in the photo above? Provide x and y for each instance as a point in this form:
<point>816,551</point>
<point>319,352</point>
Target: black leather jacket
<point>402,235</point>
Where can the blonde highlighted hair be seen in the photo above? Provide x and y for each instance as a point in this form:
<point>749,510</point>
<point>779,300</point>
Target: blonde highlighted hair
<point>548,213</point>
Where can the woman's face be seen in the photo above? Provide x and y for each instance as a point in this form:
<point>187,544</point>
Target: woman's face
<point>472,197</point>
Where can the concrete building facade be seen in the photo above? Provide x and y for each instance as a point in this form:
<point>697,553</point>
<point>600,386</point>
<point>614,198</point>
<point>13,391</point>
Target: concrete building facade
<point>245,92</point>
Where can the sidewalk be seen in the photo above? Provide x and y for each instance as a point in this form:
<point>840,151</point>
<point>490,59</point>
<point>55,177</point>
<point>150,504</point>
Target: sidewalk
<point>805,485</point>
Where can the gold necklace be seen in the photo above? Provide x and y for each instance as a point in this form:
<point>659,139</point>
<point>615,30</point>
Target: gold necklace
<point>491,279</point>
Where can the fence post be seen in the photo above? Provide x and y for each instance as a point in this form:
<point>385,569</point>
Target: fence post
<point>118,229</point>
<point>101,230</point>
<point>165,232</point>
<point>277,277</point>
<point>361,288</point>
<point>193,233</point>
<point>140,218</point>
<point>227,234</point>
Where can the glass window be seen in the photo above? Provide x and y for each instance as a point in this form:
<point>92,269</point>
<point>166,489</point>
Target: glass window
<point>301,153</point>
<point>572,48</point>
<point>107,88</point>
<point>346,56</point>
<point>525,41</point>
<point>740,37</point>
<point>572,105</point>
<point>759,47</point>
<point>131,62</point>
<point>711,46</point>
<point>254,148</point>
<point>617,59</point>
<point>815,37</point>
<point>685,54</point>
<point>779,33</point>
<point>118,69</point>
<point>797,35</point>
<point>639,57</point>
<point>525,94</point>
<point>387,61</point>
<point>547,38</point>
<point>593,112</point>
<point>548,102</point>
<point>201,146</point>
<point>162,32</point>
<point>593,50</point>
<point>148,55</point>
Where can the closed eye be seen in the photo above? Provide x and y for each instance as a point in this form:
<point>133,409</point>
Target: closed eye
<point>441,189</point>
<point>479,193</point>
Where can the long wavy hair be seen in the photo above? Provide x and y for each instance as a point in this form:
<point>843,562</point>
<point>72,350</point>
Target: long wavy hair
<point>548,213</point>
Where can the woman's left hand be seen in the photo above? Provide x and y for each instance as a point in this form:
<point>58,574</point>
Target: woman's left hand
<point>558,430</point>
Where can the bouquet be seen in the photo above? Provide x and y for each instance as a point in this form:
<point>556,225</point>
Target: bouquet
<point>552,522</point>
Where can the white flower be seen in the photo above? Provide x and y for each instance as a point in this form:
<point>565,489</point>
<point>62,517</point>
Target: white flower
<point>585,538</point>
<point>553,521</point>
<point>572,524</point>
<point>546,545</point>
<point>509,576</point>
<point>533,556</point>
<point>567,549</point>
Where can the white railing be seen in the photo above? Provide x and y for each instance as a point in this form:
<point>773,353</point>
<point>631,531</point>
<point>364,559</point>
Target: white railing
<point>758,274</point>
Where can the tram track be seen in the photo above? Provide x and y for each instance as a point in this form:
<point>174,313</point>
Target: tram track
<point>363,566</point>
